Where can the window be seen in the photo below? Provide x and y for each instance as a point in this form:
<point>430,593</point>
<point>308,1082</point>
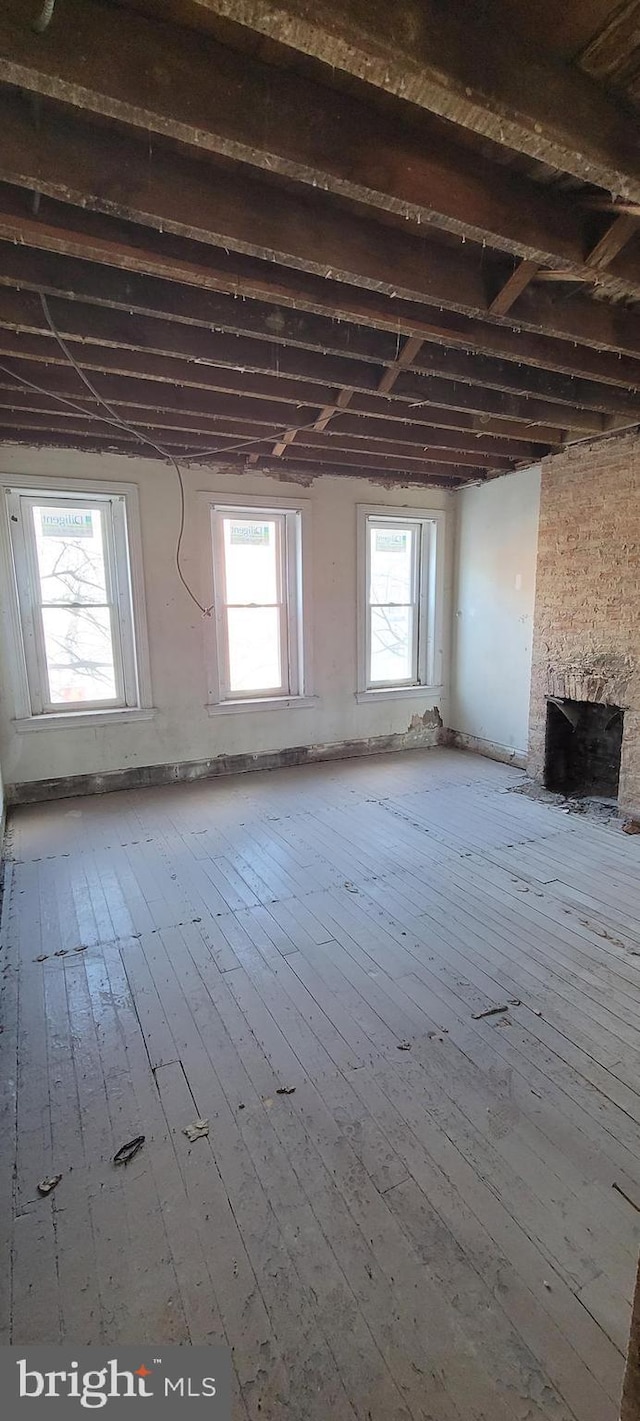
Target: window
<point>75,603</point>
<point>257,560</point>
<point>399,623</point>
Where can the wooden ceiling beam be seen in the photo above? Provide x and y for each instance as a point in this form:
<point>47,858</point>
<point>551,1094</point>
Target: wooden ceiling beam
<point>93,285</point>
<point>469,67</point>
<point>515,284</point>
<point>107,170</point>
<point>387,380</point>
<point>98,239</point>
<point>218,435</point>
<point>243,416</point>
<point>29,353</point>
<point>48,429</point>
<point>520,380</point>
<point>73,161</point>
<point>21,311</point>
<point>617,235</point>
<point>362,459</point>
<point>189,385</point>
<point>201,94</point>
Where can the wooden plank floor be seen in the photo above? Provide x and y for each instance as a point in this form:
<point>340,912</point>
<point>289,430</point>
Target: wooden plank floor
<point>442,1221</point>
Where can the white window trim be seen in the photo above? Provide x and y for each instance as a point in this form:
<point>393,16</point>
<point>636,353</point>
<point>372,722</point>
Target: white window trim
<point>430,645</point>
<point>12,622</point>
<point>263,703</point>
<point>217,702</point>
<point>67,719</point>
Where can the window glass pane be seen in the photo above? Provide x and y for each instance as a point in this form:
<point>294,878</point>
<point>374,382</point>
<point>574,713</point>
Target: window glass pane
<point>391,565</point>
<point>251,560</point>
<point>70,552</point>
<point>392,644</point>
<point>79,654</point>
<point>254,649</point>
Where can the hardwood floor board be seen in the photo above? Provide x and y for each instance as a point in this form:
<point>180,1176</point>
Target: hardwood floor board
<point>386,1023</point>
<point>369,1378</point>
<point>287,997</point>
<point>437,1012</point>
<point>36,1311</point>
<point>306,1352</point>
<point>184,1230</point>
<point>557,857</point>
<point>154,1288</point>
<point>282,1119</point>
<point>500,1248</point>
<point>113,865</point>
<point>154,1026</point>
<point>261,1369</point>
<point>271,870</point>
<point>332,1003</point>
<point>33,1145</point>
<point>305,866</point>
<point>104,1186</point>
<point>555,933</point>
<point>540,1073</point>
<point>557,1188</point>
<point>427,1227</point>
<point>506,1354</point>
<point>442,963</point>
<point>553,1228</point>
<point>80,1302</point>
<point>427,1326</point>
<point>504,955</point>
<point>202,892</point>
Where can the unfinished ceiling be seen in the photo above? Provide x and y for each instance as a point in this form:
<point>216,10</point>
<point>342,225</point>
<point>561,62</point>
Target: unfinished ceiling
<point>394,240</point>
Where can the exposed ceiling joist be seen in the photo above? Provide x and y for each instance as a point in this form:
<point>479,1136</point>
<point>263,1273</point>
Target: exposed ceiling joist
<point>256,229</point>
<point>513,287</point>
<point>387,380</point>
<point>203,95</point>
<point>27,354</point>
<point>77,164</point>
<point>465,65</point>
<point>21,312</point>
<point>93,241</point>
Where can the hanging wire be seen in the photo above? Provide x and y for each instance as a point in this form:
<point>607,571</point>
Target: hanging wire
<point>112,418</point>
<point>44,18</point>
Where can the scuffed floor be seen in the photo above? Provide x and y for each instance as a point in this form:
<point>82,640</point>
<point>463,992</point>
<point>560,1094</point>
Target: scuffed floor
<point>440,1217</point>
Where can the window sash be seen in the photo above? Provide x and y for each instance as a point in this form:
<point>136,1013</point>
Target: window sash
<point>416,602</point>
<point>288,599</point>
<point>32,603</point>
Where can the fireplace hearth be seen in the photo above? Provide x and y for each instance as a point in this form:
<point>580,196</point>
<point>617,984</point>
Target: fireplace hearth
<point>582,748</point>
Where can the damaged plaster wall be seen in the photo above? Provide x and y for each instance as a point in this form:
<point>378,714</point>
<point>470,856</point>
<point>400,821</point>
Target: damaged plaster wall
<point>182,732</point>
<point>493,602</point>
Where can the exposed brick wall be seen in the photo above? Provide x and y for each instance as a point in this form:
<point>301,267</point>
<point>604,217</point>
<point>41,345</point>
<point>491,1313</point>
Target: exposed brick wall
<point>586,643</point>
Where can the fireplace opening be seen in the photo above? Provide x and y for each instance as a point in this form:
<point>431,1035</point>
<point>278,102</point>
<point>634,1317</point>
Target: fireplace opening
<point>583,746</point>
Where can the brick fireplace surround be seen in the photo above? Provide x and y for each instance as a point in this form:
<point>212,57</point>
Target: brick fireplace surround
<point>586,644</point>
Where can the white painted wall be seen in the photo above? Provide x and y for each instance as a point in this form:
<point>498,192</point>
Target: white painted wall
<point>494,590</point>
<point>181,729</point>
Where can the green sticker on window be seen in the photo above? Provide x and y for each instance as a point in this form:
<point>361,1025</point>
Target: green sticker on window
<point>389,542</point>
<point>66,523</point>
<point>251,534</point>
